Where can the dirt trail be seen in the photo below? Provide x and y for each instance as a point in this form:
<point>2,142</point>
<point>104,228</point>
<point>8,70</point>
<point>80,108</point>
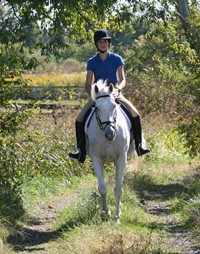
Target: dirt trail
<point>157,202</point>
<point>38,229</point>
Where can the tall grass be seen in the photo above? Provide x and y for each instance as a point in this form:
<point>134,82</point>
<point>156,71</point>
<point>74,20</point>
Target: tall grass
<point>56,79</point>
<point>189,204</point>
<point>40,147</point>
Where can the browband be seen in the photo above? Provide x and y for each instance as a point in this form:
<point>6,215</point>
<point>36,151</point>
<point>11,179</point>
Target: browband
<point>101,96</point>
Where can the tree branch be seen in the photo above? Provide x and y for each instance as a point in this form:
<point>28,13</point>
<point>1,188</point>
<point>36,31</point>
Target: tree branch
<point>13,8</point>
<point>83,16</point>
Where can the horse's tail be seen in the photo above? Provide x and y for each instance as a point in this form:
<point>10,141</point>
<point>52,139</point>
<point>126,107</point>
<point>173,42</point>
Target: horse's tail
<point>138,159</point>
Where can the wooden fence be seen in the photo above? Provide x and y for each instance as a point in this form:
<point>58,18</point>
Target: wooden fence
<point>49,92</point>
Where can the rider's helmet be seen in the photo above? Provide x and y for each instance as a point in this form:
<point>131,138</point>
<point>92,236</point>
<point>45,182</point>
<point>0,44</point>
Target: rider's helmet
<point>102,34</point>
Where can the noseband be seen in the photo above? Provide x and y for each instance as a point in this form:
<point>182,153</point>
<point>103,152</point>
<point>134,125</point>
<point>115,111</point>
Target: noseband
<point>105,123</point>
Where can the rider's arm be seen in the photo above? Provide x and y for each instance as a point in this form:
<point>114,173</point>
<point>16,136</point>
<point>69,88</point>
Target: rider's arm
<point>88,82</point>
<point>121,76</point>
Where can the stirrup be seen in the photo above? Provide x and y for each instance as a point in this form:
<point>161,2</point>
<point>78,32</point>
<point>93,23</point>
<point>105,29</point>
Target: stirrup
<point>75,156</point>
<point>141,151</point>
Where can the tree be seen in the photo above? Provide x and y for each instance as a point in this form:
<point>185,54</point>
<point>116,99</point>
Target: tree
<point>189,27</point>
<point>168,57</point>
<point>59,22</point>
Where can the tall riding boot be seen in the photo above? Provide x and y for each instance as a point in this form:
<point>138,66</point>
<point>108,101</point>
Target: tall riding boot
<point>137,133</point>
<point>80,137</point>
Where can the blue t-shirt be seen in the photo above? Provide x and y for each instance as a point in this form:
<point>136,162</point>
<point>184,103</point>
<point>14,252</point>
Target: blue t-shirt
<point>107,69</point>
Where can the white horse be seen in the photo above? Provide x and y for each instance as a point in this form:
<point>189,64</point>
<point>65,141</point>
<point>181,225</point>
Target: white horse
<point>108,140</point>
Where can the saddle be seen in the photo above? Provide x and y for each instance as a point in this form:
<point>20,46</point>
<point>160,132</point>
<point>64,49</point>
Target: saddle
<point>89,114</point>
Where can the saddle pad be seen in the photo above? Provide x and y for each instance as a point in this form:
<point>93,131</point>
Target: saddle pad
<point>92,112</point>
<point>88,120</point>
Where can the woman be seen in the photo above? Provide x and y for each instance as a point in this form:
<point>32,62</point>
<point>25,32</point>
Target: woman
<point>110,67</point>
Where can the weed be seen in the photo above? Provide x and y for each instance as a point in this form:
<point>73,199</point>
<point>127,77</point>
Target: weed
<point>189,204</point>
<point>86,211</point>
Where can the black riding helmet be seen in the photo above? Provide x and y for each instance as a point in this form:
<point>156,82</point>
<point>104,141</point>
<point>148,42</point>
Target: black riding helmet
<point>102,34</point>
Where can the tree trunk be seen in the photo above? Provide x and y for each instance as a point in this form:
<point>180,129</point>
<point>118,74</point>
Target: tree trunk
<point>190,31</point>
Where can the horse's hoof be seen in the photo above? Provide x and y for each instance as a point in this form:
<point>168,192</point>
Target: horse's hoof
<point>117,219</point>
<point>105,215</point>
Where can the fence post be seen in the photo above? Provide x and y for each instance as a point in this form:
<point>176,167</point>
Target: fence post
<point>35,90</point>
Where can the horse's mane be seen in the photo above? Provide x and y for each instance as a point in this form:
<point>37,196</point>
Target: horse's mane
<point>102,89</point>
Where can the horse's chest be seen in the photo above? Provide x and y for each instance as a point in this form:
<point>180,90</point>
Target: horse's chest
<point>109,149</point>
<point>106,149</point>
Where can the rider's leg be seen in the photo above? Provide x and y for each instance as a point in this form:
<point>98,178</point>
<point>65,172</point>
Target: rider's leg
<point>80,135</point>
<point>137,133</point>
<point>136,125</point>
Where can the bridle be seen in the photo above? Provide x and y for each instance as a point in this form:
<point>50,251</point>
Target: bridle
<point>104,124</point>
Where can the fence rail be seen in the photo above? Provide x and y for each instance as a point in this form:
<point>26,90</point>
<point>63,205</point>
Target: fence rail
<point>49,92</point>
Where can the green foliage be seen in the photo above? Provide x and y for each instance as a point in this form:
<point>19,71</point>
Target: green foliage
<point>11,117</point>
<point>79,52</point>
<point>24,28</point>
<point>38,148</point>
<point>167,146</point>
<point>162,70</point>
<point>10,75</point>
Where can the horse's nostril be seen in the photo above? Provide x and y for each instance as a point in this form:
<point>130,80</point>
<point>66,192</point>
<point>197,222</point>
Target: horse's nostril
<point>110,133</point>
<point>110,137</point>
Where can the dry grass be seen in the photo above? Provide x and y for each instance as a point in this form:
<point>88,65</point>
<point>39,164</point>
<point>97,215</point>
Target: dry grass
<point>1,244</point>
<point>109,239</point>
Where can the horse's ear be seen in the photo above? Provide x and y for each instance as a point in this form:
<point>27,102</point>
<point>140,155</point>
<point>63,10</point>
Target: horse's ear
<point>96,89</point>
<point>111,88</point>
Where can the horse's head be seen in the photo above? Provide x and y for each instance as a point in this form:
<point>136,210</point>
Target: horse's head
<point>105,108</point>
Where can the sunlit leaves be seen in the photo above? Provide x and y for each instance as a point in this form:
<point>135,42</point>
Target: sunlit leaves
<point>166,59</point>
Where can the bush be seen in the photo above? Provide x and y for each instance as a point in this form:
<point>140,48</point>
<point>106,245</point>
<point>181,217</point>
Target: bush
<point>79,52</point>
<point>40,147</point>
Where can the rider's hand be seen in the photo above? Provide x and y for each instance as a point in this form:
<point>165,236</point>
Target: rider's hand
<point>116,92</point>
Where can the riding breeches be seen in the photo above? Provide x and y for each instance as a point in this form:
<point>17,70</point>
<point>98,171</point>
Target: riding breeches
<point>120,98</point>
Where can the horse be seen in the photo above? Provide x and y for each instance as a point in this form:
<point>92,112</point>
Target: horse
<point>108,140</point>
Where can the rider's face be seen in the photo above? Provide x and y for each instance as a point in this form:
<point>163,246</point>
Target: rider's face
<point>103,45</point>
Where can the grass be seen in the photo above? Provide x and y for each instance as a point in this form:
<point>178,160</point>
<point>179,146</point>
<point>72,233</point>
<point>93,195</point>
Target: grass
<point>79,229</point>
<point>67,192</point>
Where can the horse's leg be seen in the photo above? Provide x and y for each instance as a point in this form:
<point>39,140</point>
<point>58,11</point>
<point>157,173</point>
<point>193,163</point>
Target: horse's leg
<point>99,171</point>
<point>120,168</point>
